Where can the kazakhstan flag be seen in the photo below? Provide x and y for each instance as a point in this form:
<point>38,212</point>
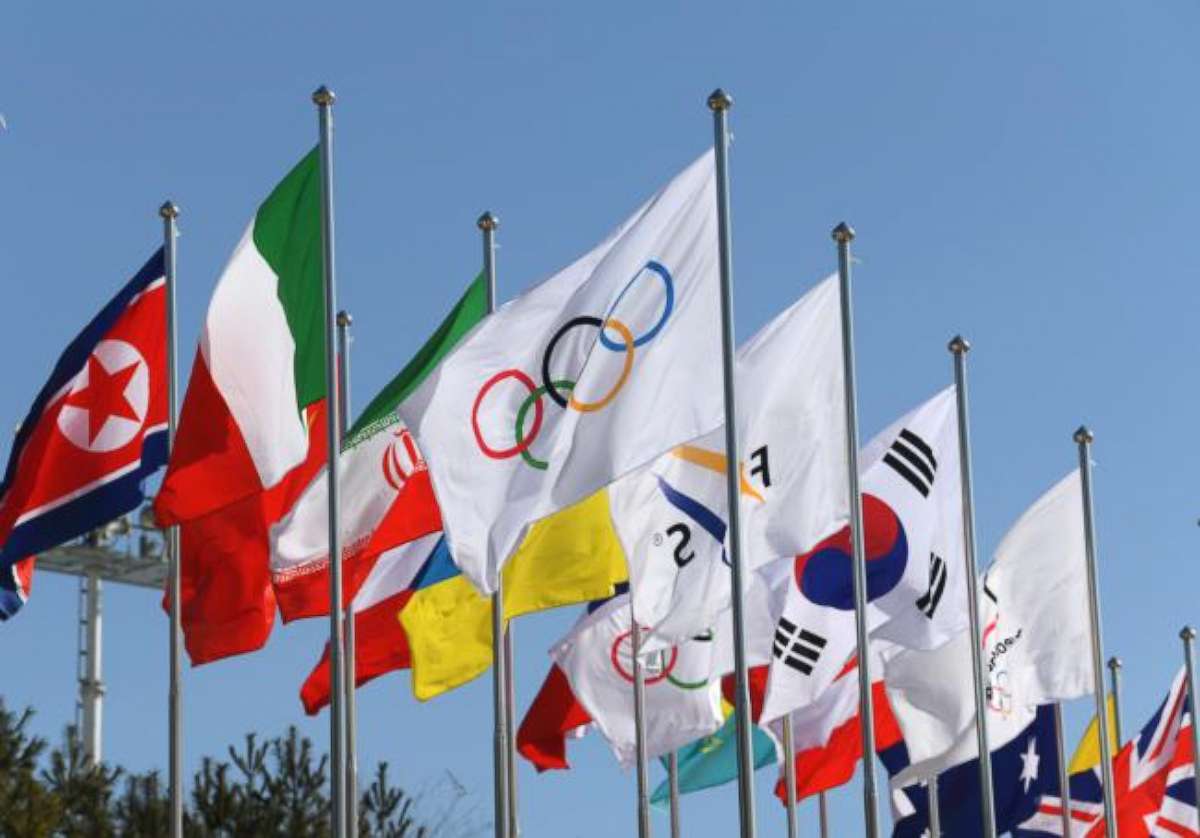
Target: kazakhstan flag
<point>712,760</point>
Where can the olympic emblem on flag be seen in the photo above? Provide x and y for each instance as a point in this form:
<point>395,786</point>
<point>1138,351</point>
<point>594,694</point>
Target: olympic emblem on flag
<point>659,666</point>
<point>825,574</point>
<point>555,389</point>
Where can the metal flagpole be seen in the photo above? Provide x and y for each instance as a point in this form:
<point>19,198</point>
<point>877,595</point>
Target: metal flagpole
<point>639,724</point>
<point>823,815</point>
<point>959,347</point>
<point>1083,438</point>
<point>1064,780</point>
<point>323,98</point>
<point>169,212</point>
<point>1114,669</point>
<point>935,814</point>
<point>843,235</point>
<point>1188,634</point>
<point>719,102</point>
<point>789,774</point>
<point>488,224</point>
<point>673,786</point>
<point>344,321</point>
<point>510,703</point>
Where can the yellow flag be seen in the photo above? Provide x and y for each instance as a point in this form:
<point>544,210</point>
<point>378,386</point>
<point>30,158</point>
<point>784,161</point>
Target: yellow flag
<point>570,557</point>
<point>1087,754</point>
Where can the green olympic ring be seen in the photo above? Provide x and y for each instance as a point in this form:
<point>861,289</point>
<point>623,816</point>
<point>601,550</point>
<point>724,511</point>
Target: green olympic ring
<point>688,685</point>
<point>530,401</point>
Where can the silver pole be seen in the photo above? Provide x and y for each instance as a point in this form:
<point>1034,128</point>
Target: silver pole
<point>935,814</point>
<point>673,785</point>
<point>510,704</point>
<point>789,774</point>
<point>93,686</point>
<point>344,322</point>
<point>169,212</point>
<point>959,347</point>
<point>843,235</point>
<point>639,724</point>
<point>488,224</point>
<point>1114,669</point>
<point>1188,634</point>
<point>719,103</point>
<point>1064,779</point>
<point>324,98</point>
<point>823,814</point>
<point>1083,438</point>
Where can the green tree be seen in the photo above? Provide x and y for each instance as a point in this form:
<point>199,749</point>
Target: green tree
<point>84,791</point>
<point>26,807</point>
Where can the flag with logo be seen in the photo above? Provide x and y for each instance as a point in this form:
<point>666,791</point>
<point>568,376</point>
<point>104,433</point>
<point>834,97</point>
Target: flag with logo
<point>386,495</point>
<point>561,391</point>
<point>95,432</point>
<point>712,760</point>
<point>912,514</point>
<point>682,697</point>
<point>671,515</point>
<point>252,427</point>
<point>1035,632</point>
<point>1157,760</point>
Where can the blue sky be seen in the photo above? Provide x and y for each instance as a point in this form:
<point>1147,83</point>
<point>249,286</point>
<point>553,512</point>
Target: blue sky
<point>1023,173</point>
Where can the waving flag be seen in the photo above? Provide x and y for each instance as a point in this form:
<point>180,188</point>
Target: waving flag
<point>912,511</point>
<point>386,495</point>
<point>95,432</point>
<point>712,760</point>
<point>561,391</point>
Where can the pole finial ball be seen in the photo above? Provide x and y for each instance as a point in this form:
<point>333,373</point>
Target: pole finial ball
<point>323,96</point>
<point>488,221</point>
<point>959,345</point>
<point>1114,662</point>
<point>843,233</point>
<point>1084,435</point>
<point>169,210</point>
<point>344,318</point>
<point>719,100</point>
<point>1187,633</point>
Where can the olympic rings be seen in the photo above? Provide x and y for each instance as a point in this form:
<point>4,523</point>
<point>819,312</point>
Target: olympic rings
<point>648,680</point>
<point>668,306</point>
<point>553,387</point>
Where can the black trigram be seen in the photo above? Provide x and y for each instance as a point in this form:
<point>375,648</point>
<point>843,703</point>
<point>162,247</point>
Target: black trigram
<point>798,648</point>
<point>912,458</point>
<point>929,600</point>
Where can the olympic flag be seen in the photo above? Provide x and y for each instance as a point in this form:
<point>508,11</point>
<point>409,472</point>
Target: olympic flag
<point>583,378</point>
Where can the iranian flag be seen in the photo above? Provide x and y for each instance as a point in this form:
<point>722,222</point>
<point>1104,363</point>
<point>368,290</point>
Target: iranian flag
<point>386,495</point>
<point>252,429</point>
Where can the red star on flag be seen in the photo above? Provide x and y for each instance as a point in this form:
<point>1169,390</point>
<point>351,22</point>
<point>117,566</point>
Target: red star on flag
<point>104,396</point>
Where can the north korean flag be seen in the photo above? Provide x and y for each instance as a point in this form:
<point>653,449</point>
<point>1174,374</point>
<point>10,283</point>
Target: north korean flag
<point>95,432</point>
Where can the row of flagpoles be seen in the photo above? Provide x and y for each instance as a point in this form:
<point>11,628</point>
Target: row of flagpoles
<point>342,645</point>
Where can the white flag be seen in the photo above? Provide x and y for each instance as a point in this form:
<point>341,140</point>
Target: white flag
<point>582,379</point>
<point>671,516</point>
<point>1035,635</point>
<point>683,701</point>
<point>912,512</point>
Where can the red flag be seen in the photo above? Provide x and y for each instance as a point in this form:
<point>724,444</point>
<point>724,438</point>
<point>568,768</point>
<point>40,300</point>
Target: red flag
<point>554,714</point>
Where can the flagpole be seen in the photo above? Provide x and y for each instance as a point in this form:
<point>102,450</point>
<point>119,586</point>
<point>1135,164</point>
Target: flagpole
<point>1188,634</point>
<point>488,223</point>
<point>719,102</point>
<point>510,704</point>
<point>639,725</point>
<point>843,234</point>
<point>1064,779</point>
<point>789,774</point>
<point>673,786</point>
<point>323,98</point>
<point>1083,438</point>
<point>169,212</point>
<point>959,347</point>
<point>935,813</point>
<point>1114,669</point>
<point>344,321</point>
<point>823,815</point>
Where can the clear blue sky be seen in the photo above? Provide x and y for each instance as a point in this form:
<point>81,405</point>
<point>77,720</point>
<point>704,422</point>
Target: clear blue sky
<point>1024,173</point>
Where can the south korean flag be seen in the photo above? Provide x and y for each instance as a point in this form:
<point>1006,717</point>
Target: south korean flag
<point>912,513</point>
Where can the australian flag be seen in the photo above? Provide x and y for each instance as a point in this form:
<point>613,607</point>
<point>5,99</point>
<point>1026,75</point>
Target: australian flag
<point>1023,769</point>
<point>95,432</point>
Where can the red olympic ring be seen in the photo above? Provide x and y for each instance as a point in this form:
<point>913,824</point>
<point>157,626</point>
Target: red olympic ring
<point>628,676</point>
<point>505,453</point>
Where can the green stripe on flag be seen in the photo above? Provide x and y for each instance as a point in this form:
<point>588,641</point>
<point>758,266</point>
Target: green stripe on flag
<point>471,308</point>
<point>287,234</point>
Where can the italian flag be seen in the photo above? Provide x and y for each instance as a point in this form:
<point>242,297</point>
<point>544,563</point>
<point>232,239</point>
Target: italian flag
<point>386,495</point>
<point>252,429</point>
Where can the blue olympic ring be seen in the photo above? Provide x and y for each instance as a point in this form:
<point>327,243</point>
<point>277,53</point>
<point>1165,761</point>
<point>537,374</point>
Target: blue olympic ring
<point>668,287</point>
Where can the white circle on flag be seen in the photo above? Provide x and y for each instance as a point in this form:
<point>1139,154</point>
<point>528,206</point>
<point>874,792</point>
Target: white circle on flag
<point>94,416</point>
